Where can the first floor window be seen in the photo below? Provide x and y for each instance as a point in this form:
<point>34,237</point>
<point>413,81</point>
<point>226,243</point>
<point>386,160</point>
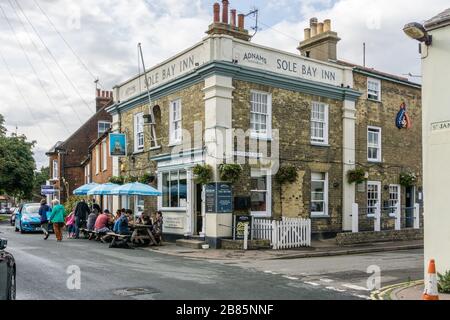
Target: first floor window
<point>174,186</point>
<point>139,132</point>
<point>319,194</point>
<point>394,198</point>
<point>55,169</point>
<point>374,89</point>
<point>175,122</point>
<point>87,173</point>
<point>319,123</point>
<point>97,159</point>
<point>260,114</point>
<point>103,126</point>
<point>374,144</point>
<point>373,198</point>
<point>260,194</point>
<point>104,156</point>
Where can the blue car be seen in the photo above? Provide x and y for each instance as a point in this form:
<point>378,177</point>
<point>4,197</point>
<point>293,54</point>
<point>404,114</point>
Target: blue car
<point>28,218</point>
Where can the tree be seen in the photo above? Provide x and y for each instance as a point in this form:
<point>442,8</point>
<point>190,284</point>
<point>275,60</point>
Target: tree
<point>40,179</point>
<point>2,128</point>
<point>17,165</point>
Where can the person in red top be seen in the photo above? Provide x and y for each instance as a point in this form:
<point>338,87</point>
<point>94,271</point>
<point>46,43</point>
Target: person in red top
<point>101,224</point>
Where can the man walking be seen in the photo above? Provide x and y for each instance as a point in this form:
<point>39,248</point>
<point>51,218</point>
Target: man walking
<point>43,210</point>
<point>81,215</point>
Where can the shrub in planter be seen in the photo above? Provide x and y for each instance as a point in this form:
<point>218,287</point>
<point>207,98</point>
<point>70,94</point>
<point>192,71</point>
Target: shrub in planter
<point>203,173</point>
<point>147,178</point>
<point>117,180</point>
<point>407,179</point>
<point>444,282</point>
<point>230,172</point>
<point>286,174</point>
<point>356,176</point>
<point>131,179</point>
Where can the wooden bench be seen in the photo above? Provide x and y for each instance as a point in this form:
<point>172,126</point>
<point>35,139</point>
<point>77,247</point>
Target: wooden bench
<point>118,237</point>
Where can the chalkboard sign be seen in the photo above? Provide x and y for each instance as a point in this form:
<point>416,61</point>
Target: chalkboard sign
<point>219,198</point>
<point>240,222</point>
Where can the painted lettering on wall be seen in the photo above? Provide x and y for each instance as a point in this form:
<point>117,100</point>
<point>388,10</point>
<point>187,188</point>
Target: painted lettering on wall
<point>305,71</point>
<point>255,58</point>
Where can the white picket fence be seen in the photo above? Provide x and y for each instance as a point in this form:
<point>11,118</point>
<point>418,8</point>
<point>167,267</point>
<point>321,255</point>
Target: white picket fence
<point>285,234</point>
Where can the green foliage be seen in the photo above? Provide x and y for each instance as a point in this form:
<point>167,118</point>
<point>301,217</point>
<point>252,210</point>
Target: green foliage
<point>408,179</point>
<point>40,179</point>
<point>286,174</point>
<point>117,180</point>
<point>131,179</point>
<point>203,173</point>
<point>356,176</point>
<point>2,128</point>
<point>71,203</point>
<point>147,178</point>
<point>17,165</point>
<point>444,282</point>
<point>230,172</point>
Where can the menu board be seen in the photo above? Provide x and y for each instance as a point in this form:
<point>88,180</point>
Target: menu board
<point>219,198</point>
<point>210,195</point>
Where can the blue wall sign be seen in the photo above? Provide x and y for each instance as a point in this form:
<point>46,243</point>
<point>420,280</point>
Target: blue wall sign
<point>117,145</point>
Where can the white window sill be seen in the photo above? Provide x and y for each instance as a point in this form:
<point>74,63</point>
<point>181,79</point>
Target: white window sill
<point>374,161</point>
<point>155,148</point>
<point>261,214</point>
<point>318,144</point>
<point>374,100</point>
<point>319,216</point>
<point>260,137</point>
<point>173,209</point>
<point>175,144</point>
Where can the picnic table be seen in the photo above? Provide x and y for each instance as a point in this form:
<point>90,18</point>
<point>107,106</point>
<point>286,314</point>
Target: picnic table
<point>142,232</point>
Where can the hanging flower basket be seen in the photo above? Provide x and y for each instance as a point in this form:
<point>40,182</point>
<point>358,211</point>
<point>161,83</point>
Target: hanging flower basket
<point>286,174</point>
<point>203,173</point>
<point>357,176</point>
<point>147,178</point>
<point>230,172</point>
<point>408,179</point>
<point>117,180</point>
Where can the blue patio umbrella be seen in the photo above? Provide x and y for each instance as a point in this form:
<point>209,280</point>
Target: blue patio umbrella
<point>136,189</point>
<point>83,190</point>
<point>102,190</point>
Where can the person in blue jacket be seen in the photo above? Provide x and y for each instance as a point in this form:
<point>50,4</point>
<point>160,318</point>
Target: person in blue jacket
<point>43,211</point>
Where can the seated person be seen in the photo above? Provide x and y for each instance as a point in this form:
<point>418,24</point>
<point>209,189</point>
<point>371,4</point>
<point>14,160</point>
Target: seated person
<point>158,226</point>
<point>121,226</point>
<point>101,224</point>
<point>91,221</point>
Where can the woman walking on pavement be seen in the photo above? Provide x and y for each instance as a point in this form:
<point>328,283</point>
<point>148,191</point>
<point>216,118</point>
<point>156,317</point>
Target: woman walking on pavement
<point>43,210</point>
<point>57,218</point>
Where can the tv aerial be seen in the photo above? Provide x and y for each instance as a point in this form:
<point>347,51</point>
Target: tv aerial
<point>254,13</point>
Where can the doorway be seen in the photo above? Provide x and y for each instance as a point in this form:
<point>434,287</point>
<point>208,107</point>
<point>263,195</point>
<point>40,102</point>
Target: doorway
<point>410,202</point>
<point>198,209</point>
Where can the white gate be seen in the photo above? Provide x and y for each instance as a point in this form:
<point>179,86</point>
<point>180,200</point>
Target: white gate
<point>285,234</point>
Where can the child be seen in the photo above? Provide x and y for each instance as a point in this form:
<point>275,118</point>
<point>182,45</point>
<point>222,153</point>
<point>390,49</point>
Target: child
<point>70,224</point>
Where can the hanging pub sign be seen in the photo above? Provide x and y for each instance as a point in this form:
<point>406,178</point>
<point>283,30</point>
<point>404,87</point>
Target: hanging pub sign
<point>117,145</point>
<point>403,121</point>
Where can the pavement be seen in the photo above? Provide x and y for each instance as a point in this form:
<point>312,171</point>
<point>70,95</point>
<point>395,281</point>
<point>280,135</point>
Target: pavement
<point>46,270</point>
<point>320,248</point>
<point>413,292</point>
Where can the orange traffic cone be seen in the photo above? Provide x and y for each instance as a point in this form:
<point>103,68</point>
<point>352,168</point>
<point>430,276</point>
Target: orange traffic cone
<point>431,287</point>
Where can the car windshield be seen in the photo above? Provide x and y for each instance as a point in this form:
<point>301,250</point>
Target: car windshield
<point>32,210</point>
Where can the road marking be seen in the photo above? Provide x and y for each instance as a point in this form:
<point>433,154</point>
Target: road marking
<point>326,280</point>
<point>268,271</point>
<point>355,287</point>
<point>290,278</point>
<point>312,283</point>
<point>336,289</point>
<point>361,296</point>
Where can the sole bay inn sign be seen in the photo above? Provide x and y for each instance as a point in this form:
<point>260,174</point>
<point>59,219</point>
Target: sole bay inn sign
<point>242,53</point>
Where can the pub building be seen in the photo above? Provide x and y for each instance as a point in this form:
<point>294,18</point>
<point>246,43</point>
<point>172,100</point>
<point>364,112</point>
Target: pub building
<point>226,99</point>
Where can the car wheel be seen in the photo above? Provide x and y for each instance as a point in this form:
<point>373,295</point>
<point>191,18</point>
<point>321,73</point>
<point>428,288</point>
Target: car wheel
<point>12,286</point>
<point>20,228</point>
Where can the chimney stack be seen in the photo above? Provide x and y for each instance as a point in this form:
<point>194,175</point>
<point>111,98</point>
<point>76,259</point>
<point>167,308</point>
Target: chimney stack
<point>216,12</point>
<point>225,4</point>
<point>320,41</point>
<point>102,99</point>
<point>223,25</point>
<point>233,17</point>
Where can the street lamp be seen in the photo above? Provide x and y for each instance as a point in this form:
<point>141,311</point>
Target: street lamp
<point>417,32</point>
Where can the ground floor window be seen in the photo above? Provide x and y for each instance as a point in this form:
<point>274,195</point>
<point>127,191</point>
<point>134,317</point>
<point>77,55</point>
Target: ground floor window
<point>319,194</point>
<point>261,203</point>
<point>373,197</point>
<point>394,198</point>
<point>174,189</point>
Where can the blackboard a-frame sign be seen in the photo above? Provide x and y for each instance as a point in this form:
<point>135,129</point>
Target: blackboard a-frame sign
<point>219,198</point>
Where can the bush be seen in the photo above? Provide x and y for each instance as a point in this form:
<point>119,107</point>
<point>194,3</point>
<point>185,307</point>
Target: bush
<point>147,178</point>
<point>117,180</point>
<point>71,203</point>
<point>444,282</point>
<point>131,179</point>
<point>203,173</point>
<point>230,172</point>
<point>408,179</point>
<point>356,176</point>
<point>286,174</point>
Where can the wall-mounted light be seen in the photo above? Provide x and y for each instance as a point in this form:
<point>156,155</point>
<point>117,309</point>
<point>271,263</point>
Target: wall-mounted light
<point>148,120</point>
<point>417,32</point>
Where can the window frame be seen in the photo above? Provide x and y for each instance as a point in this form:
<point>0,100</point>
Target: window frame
<point>268,191</point>
<point>137,118</point>
<point>169,172</point>
<point>399,198</point>
<point>98,127</point>
<point>326,123</point>
<point>325,213</point>
<point>104,155</point>
<point>378,82</point>
<point>87,173</point>
<point>172,139</point>
<point>97,159</point>
<point>379,195</point>
<point>55,170</point>
<point>379,146</point>
<point>268,134</point>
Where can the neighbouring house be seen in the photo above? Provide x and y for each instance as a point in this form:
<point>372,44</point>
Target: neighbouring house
<point>226,99</point>
<point>66,157</point>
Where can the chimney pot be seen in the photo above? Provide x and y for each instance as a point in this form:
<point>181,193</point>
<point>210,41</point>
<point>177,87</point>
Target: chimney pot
<point>313,21</point>
<point>241,23</point>
<point>327,25</point>
<point>225,9</point>
<point>313,29</point>
<point>233,17</point>
<point>307,33</point>
<point>98,93</point>
<point>216,12</point>
<point>320,28</point>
